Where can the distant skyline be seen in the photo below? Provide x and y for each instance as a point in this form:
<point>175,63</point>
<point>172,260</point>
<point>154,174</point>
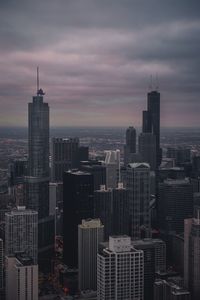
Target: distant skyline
<point>96,58</point>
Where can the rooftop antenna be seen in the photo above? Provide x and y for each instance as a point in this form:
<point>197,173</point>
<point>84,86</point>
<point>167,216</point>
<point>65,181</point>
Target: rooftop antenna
<point>37,80</point>
<point>150,83</point>
<point>39,91</point>
<point>157,83</point>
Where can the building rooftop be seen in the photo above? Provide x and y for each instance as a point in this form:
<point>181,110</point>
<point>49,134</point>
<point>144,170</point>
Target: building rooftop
<point>147,241</point>
<point>77,172</point>
<point>21,210</point>
<point>172,182</point>
<point>139,165</point>
<point>91,223</point>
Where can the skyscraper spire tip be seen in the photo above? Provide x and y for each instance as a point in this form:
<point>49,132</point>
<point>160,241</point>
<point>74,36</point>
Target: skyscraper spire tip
<point>39,91</point>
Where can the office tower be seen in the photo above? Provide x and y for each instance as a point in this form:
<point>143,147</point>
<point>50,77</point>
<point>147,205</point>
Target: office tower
<point>147,148</point>
<point>77,205</point>
<point>120,215</point>
<point>171,173</point>
<point>37,187</point>
<point>166,289</point>
<point>195,184</point>
<point>82,155</point>
<point>154,261</point>
<point>130,146</point>
<point>149,267</point>
<point>52,198</point>
<point>63,156</point>
<point>131,139</point>
<point>120,270</point>
<point>37,181</point>
<point>175,203</point>
<point>103,209</point>
<point>97,169</point>
<point>21,232</point>
<point>90,234</point>
<point>21,278</point>
<point>153,105</point>
<point>192,255</point>
<point>112,163</point>
<point>112,207</point>
<point>146,122</point>
<point>17,171</point>
<point>181,155</point>
<point>178,252</point>
<point>1,264</point>
<point>187,231</point>
<point>159,247</point>
<point>196,166</point>
<point>138,184</point>
<point>151,121</point>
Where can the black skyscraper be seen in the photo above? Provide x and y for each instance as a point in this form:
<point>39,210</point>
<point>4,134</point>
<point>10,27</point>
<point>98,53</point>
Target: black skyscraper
<point>151,120</point>
<point>131,139</point>
<point>103,204</point>
<point>175,203</point>
<point>77,205</point>
<point>130,146</point>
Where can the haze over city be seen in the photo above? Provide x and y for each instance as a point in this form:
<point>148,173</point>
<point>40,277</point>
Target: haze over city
<point>96,59</point>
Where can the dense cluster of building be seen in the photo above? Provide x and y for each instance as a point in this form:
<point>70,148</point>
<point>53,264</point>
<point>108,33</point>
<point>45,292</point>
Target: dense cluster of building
<point>129,225</point>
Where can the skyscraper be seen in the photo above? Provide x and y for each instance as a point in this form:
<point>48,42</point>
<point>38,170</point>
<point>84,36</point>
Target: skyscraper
<point>103,203</point>
<point>138,184</point>
<point>151,120</point>
<point>37,187</point>
<point>120,270</point>
<point>154,260</point>
<point>21,232</point>
<point>21,278</point>
<point>120,208</point>
<point>167,289</point>
<point>112,208</point>
<point>1,264</point>
<point>63,156</point>
<point>90,234</point>
<point>192,255</point>
<point>131,139</point>
<point>97,169</point>
<point>37,181</point>
<point>147,148</point>
<point>77,205</point>
<point>130,146</point>
<point>112,163</point>
<point>175,203</point>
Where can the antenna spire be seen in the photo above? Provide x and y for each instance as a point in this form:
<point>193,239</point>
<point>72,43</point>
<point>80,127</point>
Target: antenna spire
<point>157,82</point>
<point>37,80</point>
<point>39,91</point>
<point>151,83</point>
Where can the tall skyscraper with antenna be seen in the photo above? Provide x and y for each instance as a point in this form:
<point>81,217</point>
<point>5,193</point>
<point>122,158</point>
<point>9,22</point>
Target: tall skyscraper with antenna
<point>37,196</point>
<point>37,181</point>
<point>151,120</point>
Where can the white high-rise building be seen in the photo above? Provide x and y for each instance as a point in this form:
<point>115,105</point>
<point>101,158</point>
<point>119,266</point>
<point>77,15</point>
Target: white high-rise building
<point>120,270</point>
<point>21,232</point>
<point>112,163</point>
<point>90,234</point>
<point>138,184</point>
<point>21,278</point>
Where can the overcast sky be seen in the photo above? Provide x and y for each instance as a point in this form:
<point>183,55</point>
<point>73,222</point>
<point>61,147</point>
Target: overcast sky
<point>96,58</point>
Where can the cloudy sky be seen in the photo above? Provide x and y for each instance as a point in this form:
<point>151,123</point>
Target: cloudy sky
<point>96,58</point>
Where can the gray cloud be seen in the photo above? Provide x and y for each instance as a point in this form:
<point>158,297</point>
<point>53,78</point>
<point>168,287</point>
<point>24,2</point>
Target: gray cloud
<point>96,58</point>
